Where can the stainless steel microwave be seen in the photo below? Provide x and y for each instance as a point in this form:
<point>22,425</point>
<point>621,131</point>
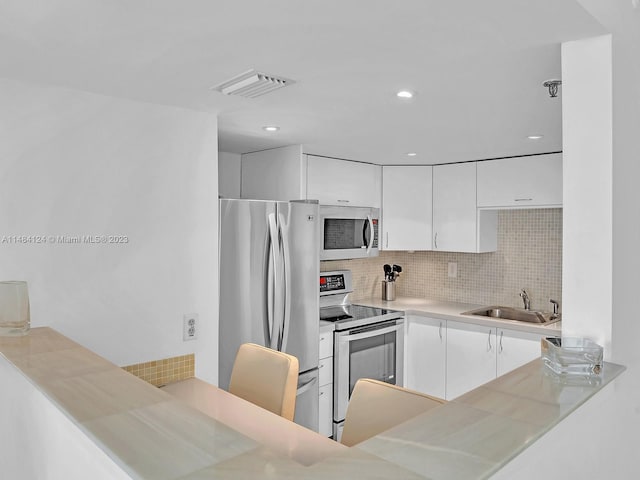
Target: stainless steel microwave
<point>348,232</point>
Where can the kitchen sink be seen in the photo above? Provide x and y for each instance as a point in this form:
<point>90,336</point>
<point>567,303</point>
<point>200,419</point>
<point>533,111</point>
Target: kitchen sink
<point>518,314</point>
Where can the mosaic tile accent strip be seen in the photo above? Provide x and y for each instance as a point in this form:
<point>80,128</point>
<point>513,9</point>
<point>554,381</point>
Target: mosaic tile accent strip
<point>167,370</point>
<point>529,256</point>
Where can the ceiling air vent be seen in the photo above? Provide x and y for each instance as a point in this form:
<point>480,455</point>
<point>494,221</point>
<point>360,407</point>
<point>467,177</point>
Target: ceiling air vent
<point>252,84</point>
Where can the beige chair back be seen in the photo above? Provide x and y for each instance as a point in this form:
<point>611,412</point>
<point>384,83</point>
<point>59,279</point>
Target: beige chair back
<point>267,378</point>
<point>378,406</point>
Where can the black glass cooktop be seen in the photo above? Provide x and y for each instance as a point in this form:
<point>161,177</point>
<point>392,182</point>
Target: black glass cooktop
<point>353,312</point>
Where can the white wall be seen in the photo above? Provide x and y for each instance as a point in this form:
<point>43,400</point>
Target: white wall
<point>229,174</point>
<point>600,439</point>
<point>587,189</point>
<point>74,163</point>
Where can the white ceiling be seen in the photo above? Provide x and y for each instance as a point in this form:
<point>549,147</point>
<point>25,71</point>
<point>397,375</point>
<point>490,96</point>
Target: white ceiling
<point>478,68</point>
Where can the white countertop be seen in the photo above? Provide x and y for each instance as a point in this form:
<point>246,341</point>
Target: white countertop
<point>153,435</point>
<point>453,311</point>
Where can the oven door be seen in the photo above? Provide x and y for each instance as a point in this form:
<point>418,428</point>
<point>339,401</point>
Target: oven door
<point>373,351</point>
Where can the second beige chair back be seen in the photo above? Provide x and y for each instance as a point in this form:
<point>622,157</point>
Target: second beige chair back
<point>267,378</point>
<point>378,406</point>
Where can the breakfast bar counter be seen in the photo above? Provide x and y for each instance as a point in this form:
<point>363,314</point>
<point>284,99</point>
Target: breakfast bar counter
<point>126,428</point>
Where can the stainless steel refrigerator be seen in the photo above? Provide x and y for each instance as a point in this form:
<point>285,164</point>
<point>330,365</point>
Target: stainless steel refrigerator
<point>269,270</point>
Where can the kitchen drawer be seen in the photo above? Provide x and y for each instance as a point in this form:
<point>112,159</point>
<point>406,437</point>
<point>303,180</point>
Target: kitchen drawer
<point>325,410</point>
<point>326,370</point>
<point>326,344</point>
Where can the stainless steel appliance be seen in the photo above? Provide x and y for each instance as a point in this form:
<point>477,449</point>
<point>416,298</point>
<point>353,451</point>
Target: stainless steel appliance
<point>269,270</point>
<point>348,232</point>
<point>368,342</point>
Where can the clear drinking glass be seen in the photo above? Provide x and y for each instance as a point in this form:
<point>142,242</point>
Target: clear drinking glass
<point>14,308</point>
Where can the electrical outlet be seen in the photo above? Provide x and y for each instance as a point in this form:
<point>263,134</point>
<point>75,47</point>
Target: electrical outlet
<point>190,326</point>
<point>453,269</point>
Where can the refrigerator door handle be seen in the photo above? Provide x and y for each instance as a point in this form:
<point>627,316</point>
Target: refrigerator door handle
<point>306,386</point>
<point>286,264</point>
<point>274,330</point>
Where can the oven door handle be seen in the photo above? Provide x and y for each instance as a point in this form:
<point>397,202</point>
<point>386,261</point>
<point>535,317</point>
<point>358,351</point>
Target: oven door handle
<point>371,333</point>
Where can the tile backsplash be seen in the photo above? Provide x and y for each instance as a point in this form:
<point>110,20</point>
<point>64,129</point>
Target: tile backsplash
<point>164,371</point>
<point>529,256</point>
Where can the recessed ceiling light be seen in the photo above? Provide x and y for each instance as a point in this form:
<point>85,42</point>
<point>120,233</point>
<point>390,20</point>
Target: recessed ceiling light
<point>405,94</point>
<point>535,137</point>
<point>271,128</point>
<point>411,154</point>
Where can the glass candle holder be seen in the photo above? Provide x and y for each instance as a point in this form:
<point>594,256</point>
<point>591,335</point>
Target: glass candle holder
<point>572,356</point>
<point>14,308</point>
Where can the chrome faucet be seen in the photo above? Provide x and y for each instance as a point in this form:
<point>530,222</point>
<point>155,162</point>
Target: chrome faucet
<point>555,313</point>
<point>525,299</point>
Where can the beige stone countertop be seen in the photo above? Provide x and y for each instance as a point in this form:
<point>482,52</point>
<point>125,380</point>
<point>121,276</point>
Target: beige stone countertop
<point>154,435</point>
<point>453,311</point>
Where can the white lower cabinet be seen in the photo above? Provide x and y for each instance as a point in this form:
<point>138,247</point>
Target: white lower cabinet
<point>325,378</point>
<point>471,357</point>
<point>325,425</point>
<point>446,359</point>
<point>426,345</point>
<point>515,349</point>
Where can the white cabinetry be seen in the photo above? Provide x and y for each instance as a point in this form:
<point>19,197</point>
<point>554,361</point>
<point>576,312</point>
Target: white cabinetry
<point>525,182</point>
<point>471,357</point>
<point>276,174</point>
<point>342,182</point>
<point>426,345</point>
<point>446,359</point>
<point>287,174</point>
<point>407,208</point>
<point>325,377</point>
<point>515,349</point>
<point>458,226</point>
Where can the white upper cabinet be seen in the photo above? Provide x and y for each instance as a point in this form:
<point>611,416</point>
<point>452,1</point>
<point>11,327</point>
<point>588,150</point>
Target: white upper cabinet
<point>525,182</point>
<point>407,208</point>
<point>458,226</point>
<point>342,182</point>
<point>276,174</point>
<point>287,174</point>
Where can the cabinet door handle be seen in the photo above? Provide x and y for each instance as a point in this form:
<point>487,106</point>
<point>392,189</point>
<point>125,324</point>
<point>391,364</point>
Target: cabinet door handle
<point>500,347</point>
<point>489,346</point>
<point>343,201</point>
<point>387,241</point>
<point>523,199</point>
<point>440,331</point>
<point>435,240</point>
